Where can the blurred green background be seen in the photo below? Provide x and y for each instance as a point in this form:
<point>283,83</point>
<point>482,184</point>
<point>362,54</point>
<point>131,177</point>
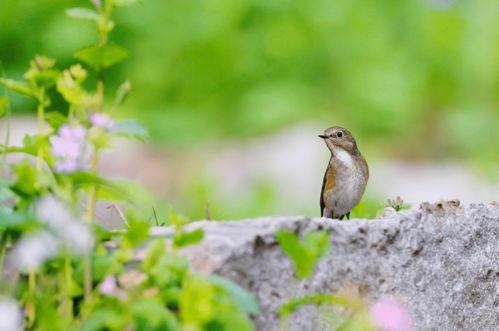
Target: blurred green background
<point>414,79</point>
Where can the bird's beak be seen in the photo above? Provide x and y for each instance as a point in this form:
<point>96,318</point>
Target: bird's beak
<point>322,136</point>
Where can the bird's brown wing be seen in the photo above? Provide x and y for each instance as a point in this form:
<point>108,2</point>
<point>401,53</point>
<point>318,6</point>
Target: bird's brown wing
<point>322,194</point>
<point>327,184</point>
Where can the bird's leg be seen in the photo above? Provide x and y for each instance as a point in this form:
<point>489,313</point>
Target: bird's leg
<point>348,215</point>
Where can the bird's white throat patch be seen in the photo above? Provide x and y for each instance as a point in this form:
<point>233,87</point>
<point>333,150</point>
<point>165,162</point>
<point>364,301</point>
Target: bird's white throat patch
<point>344,157</point>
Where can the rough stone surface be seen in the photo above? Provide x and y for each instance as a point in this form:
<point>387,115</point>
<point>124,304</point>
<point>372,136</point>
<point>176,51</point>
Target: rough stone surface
<point>442,261</point>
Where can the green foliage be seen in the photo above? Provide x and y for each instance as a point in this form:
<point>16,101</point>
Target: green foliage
<point>18,87</point>
<point>305,253</point>
<point>210,70</point>
<point>73,275</point>
<point>182,239</point>
<point>242,298</point>
<point>199,312</point>
<point>100,57</point>
<point>137,232</point>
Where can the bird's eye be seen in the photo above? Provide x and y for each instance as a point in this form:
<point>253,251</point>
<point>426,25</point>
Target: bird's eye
<point>339,134</point>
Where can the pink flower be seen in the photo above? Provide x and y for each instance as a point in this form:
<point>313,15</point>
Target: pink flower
<point>65,148</point>
<point>73,133</point>
<point>66,166</point>
<point>108,285</point>
<point>69,148</point>
<point>390,315</point>
<point>103,121</point>
<point>97,3</point>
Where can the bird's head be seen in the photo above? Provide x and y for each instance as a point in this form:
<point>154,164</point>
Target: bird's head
<point>338,138</point>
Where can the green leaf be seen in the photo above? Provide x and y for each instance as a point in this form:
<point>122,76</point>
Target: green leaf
<point>42,62</point>
<point>244,299</point>
<point>169,271</point>
<point>306,254</point>
<point>151,314</point>
<point>76,289</point>
<point>5,192</point>
<point>18,87</point>
<point>196,302</point>
<point>46,78</point>
<point>176,219</point>
<point>137,232</point>
<point>107,189</point>
<point>104,319</point>
<point>293,249</point>
<point>319,299</point>
<point>122,93</point>
<point>182,239</point>
<point>153,254</point>
<point>82,13</point>
<point>99,57</point>
<point>70,89</point>
<point>4,104</point>
<point>130,129</point>
<point>78,72</point>
<point>14,220</point>
<point>104,265</point>
<point>316,243</point>
<point>29,183</point>
<point>55,119</point>
<point>31,144</point>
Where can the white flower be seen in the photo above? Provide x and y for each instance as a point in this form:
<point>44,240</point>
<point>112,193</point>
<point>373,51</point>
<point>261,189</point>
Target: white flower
<point>78,237</point>
<point>69,228</point>
<point>31,251</point>
<point>11,318</point>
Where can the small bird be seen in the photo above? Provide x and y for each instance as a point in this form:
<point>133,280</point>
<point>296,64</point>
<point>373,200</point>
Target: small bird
<point>346,175</point>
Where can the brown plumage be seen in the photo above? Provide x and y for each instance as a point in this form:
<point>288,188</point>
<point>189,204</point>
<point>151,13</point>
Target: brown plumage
<point>346,175</point>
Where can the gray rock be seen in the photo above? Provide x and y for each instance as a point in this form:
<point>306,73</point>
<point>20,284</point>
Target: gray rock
<point>442,261</point>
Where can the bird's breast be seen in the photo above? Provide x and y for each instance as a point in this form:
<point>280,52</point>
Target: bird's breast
<point>345,183</point>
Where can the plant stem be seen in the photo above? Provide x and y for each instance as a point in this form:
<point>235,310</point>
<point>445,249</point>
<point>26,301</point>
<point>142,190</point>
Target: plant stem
<point>7,133</point>
<point>3,249</point>
<point>100,91</point>
<point>92,199</point>
<point>68,280</point>
<point>41,122</point>
<point>30,305</point>
<point>92,193</point>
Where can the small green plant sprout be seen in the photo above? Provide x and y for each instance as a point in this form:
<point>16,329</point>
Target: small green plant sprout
<point>181,237</point>
<point>397,204</point>
<point>305,253</point>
